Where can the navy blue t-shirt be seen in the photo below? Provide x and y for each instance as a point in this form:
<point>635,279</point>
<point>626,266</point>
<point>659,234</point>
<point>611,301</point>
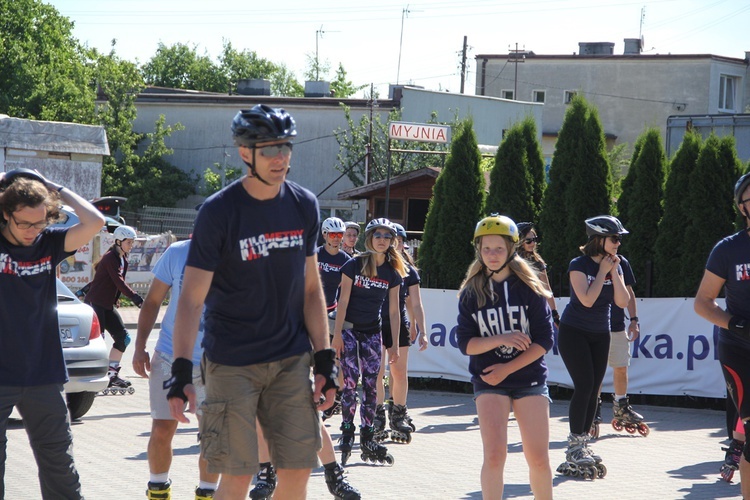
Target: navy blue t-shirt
<point>30,348</point>
<point>596,317</point>
<point>617,315</point>
<point>257,252</point>
<point>410,279</point>
<point>516,308</point>
<point>367,294</point>
<point>329,267</point>
<point>730,260</point>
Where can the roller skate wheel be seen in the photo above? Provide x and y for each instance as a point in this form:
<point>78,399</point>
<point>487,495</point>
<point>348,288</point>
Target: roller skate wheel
<point>643,430</point>
<point>413,427</point>
<point>601,470</point>
<point>594,431</point>
<point>588,474</point>
<point>727,473</point>
<point>131,390</point>
<point>617,425</point>
<point>389,460</point>
<point>122,392</point>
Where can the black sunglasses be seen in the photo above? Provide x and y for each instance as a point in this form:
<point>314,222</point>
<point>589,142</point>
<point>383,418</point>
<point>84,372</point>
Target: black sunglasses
<point>529,241</point>
<point>616,238</point>
<point>272,151</point>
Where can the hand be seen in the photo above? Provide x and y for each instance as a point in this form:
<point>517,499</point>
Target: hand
<point>177,405</point>
<point>634,330</point>
<point>323,401</point>
<point>141,362</point>
<point>607,264</point>
<point>423,341</point>
<point>337,344</point>
<point>494,374</point>
<point>392,354</point>
<point>515,339</point>
<point>413,332</point>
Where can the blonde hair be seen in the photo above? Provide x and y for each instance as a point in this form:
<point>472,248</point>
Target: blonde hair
<point>477,282</point>
<point>370,265</point>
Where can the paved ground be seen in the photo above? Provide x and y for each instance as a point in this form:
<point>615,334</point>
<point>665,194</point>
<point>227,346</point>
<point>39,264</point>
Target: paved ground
<point>679,459</point>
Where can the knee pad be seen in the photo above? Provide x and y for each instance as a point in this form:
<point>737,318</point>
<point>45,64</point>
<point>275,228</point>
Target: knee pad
<point>746,447</point>
<point>121,342</point>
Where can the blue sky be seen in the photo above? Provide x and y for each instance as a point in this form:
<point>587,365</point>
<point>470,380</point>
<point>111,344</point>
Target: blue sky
<point>368,39</point>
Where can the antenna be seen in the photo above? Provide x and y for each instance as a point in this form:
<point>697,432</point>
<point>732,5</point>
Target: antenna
<point>404,13</point>
<point>640,29</point>
<point>319,35</point>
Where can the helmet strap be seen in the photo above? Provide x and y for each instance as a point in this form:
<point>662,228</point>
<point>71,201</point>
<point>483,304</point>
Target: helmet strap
<point>254,172</point>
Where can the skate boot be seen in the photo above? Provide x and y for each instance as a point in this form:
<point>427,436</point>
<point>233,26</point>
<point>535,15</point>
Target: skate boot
<point>372,451</point>
<point>594,432</point>
<point>204,494</point>
<point>626,418</point>
<point>600,468</point>
<point>117,385</point>
<point>578,462</point>
<point>346,441</point>
<point>400,428</point>
<point>339,486</point>
<point>731,460</point>
<point>333,410</point>
<point>265,483</point>
<point>381,433</point>
<point>159,491</point>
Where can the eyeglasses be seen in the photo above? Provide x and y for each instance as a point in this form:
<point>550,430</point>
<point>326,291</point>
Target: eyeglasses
<point>272,151</point>
<point>379,236</point>
<point>529,241</point>
<point>29,225</point>
<point>616,238</point>
<point>336,235</point>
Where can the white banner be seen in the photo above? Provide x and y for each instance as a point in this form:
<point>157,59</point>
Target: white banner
<point>675,354</point>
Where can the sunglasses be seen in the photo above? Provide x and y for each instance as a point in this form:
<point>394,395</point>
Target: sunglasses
<point>336,235</point>
<point>379,236</point>
<point>529,241</point>
<point>616,238</point>
<point>272,151</point>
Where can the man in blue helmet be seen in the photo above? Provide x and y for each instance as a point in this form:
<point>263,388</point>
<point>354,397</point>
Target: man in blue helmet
<point>252,262</point>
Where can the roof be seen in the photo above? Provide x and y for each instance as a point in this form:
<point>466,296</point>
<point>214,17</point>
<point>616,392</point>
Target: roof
<point>407,178</point>
<point>615,57</point>
<point>58,137</point>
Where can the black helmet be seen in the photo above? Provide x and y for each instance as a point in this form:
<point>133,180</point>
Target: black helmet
<point>740,187</point>
<point>261,124</point>
<point>524,228</point>
<point>400,231</point>
<point>17,173</point>
<point>604,225</point>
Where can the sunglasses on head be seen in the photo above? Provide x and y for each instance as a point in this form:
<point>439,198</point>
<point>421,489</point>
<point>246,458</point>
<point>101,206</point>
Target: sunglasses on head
<point>272,151</point>
<point>529,241</point>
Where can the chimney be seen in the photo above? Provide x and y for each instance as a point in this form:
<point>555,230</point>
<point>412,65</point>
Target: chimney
<point>633,46</point>
<point>317,89</point>
<point>254,87</point>
<point>596,48</point>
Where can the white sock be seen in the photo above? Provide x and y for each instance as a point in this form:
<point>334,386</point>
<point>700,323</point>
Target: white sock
<point>205,485</point>
<point>620,396</point>
<point>159,478</point>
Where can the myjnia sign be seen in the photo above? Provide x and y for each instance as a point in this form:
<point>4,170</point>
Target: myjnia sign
<point>421,132</point>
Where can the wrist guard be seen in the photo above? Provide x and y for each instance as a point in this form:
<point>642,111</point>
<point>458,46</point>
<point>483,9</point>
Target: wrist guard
<point>739,325</point>
<point>556,317</point>
<point>182,375</point>
<point>138,300</point>
<point>325,364</point>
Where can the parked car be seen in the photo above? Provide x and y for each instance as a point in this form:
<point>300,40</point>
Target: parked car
<point>86,354</point>
<point>68,218</point>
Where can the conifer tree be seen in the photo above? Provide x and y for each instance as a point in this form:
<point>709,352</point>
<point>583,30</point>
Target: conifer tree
<point>535,166</point>
<point>627,182</point>
<point>510,190</point>
<point>643,211</point>
<point>456,207</point>
<point>669,250</point>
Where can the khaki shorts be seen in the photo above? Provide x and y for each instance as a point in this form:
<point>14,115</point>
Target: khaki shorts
<point>280,394</point>
<point>161,371</point>
<point>619,350</point>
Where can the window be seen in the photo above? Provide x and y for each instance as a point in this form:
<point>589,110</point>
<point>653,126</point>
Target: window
<point>506,94</point>
<point>395,208</point>
<point>344,214</point>
<point>538,96</point>
<point>727,89</point>
<point>569,95</point>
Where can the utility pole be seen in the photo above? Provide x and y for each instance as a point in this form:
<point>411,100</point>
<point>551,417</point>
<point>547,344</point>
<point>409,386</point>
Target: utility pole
<point>463,65</point>
<point>368,157</point>
<point>404,13</point>
<point>318,34</point>
<point>514,58</point>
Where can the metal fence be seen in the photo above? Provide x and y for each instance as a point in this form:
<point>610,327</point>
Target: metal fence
<point>157,220</point>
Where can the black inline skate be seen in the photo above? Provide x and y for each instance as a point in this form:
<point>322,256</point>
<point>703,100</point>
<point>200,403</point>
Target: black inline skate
<point>117,385</point>
<point>204,494</point>
<point>346,441</point>
<point>731,460</point>
<point>626,418</point>
<point>159,491</point>
<point>372,451</point>
<point>594,432</point>
<point>333,410</point>
<point>401,426</point>
<point>339,486</point>
<point>265,483</point>
<point>381,433</point>
<point>578,460</point>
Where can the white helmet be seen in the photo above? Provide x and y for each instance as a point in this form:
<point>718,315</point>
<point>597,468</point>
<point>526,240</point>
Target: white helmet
<point>380,222</point>
<point>333,225</point>
<point>124,233</point>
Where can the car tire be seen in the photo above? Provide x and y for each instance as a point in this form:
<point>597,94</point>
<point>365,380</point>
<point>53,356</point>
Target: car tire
<point>79,403</point>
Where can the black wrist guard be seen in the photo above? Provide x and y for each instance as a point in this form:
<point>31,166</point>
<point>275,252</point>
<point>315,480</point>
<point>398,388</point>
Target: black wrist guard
<point>739,325</point>
<point>556,317</point>
<point>182,375</point>
<point>138,300</point>
<point>325,364</point>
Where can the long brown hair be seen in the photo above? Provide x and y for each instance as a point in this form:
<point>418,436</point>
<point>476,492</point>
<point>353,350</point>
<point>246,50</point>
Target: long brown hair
<point>370,265</point>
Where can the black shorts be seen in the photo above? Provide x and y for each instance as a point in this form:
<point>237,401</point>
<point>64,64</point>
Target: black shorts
<point>404,339</point>
<point>735,365</point>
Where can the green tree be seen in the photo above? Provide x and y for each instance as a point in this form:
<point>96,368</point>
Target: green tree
<point>457,203</point>
<point>177,67</point>
<point>510,186</point>
<point>644,192</point>
<point>343,88</point>
<point>317,70</point>
<point>44,71</point>
<point>285,84</point>
<point>236,66</point>
<point>212,178</point>
<point>535,166</point>
<point>669,250</point>
<point>711,215</point>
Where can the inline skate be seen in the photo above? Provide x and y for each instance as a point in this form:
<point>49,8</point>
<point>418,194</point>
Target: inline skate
<point>346,441</point>
<point>204,494</point>
<point>381,433</point>
<point>578,460</point>
<point>731,460</point>
<point>117,385</point>
<point>372,451</point>
<point>339,486</point>
<point>601,469</point>
<point>401,426</point>
<point>594,432</point>
<point>159,491</point>
<point>265,483</point>
<point>626,418</point>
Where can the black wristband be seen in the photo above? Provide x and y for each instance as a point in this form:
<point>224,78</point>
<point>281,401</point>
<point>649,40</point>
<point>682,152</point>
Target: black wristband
<point>739,325</point>
<point>634,318</point>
